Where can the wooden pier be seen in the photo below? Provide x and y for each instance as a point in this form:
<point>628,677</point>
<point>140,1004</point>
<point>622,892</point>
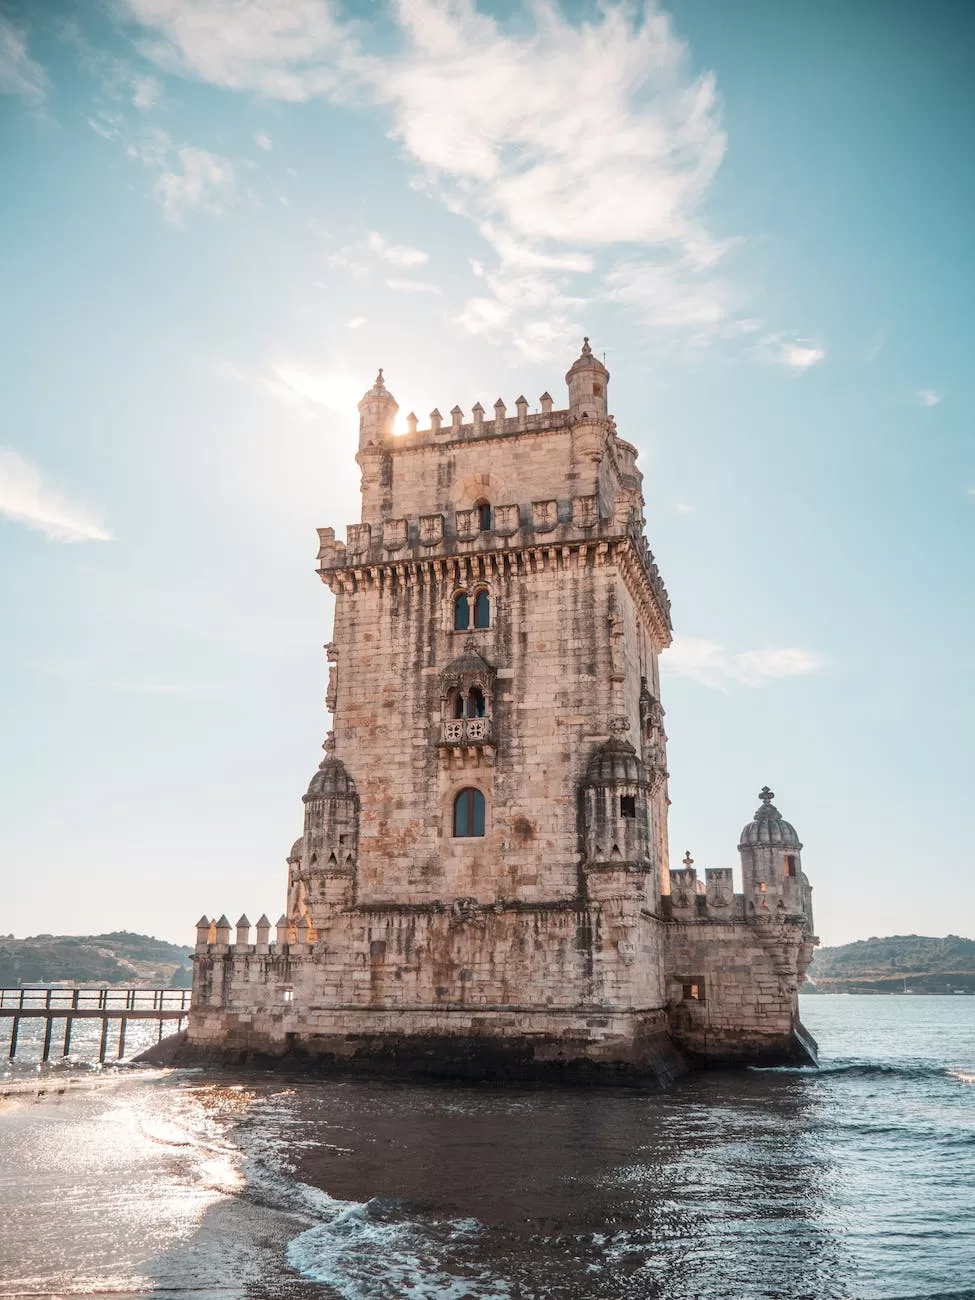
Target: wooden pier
<point>109,1005</point>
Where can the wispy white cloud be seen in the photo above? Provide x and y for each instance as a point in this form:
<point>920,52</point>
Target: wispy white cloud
<point>146,92</point>
<point>188,179</point>
<point>119,79</point>
<point>689,512</point>
<point>413,286</point>
<point>303,389</point>
<point>395,254</point>
<point>20,74</point>
<point>200,181</point>
<point>26,498</point>
<point>970,492</point>
<point>713,665</point>
<point>355,322</point>
<point>796,354</point>
<point>928,397</point>
<point>577,195</point>
<point>264,141</point>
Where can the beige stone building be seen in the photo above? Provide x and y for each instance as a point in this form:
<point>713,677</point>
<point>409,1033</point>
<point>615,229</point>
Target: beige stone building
<point>483,885</point>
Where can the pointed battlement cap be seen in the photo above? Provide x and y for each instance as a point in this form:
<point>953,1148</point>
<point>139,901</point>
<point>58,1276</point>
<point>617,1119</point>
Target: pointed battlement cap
<point>768,828</point>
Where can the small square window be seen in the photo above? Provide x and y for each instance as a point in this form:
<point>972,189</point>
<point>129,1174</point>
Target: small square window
<point>762,886</point>
<point>693,990</point>
<point>288,995</point>
<point>628,806</point>
<point>790,865</point>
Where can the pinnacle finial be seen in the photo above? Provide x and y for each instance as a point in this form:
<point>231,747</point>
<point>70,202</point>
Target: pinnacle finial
<point>766,795</point>
<point>329,743</point>
<point>586,349</point>
<point>688,860</point>
<point>380,382</point>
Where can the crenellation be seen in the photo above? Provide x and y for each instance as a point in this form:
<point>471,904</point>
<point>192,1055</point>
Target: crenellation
<point>484,860</point>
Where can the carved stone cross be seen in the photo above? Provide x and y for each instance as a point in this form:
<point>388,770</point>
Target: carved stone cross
<point>766,795</point>
<point>688,860</point>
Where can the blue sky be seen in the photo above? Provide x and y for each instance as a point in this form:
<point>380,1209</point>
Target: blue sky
<point>218,219</point>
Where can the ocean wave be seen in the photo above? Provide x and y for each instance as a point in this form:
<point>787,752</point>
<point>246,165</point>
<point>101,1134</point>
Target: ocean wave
<point>879,1070</point>
<point>368,1251</point>
<point>963,1076</point>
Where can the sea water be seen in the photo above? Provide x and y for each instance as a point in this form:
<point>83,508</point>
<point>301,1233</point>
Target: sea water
<point>856,1180</point>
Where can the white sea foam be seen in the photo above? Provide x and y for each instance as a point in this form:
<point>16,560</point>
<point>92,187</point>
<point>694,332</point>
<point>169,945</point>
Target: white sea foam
<point>363,1254</point>
<point>966,1076</point>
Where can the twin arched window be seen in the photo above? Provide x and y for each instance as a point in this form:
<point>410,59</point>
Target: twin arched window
<point>462,611</point>
<point>470,706</point>
<point>468,814</point>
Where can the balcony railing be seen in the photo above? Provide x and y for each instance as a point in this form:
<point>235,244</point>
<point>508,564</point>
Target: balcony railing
<point>467,731</point>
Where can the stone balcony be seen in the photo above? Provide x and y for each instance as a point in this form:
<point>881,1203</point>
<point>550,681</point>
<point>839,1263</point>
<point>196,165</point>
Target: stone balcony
<point>466,731</point>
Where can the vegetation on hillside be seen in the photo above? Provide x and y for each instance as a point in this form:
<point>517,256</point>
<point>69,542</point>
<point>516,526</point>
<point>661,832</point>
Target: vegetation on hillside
<point>913,962</point>
<point>117,958</point>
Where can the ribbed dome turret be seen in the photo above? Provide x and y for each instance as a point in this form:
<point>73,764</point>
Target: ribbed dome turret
<point>768,827</point>
<point>586,362</point>
<point>377,411</point>
<point>330,781</point>
<point>616,763</point>
<point>296,851</point>
<point>588,380</point>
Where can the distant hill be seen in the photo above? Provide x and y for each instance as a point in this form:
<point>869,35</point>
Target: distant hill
<point>914,961</point>
<point>117,958</point>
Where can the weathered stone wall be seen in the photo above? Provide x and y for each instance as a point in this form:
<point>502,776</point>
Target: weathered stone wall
<point>748,977</point>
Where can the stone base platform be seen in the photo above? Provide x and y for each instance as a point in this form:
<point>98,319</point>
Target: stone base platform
<point>612,1049</point>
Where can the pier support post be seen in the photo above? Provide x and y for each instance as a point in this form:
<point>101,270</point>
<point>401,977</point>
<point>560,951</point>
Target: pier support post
<point>121,1038</point>
<point>67,1036</point>
<point>14,1033</point>
<point>103,1045</point>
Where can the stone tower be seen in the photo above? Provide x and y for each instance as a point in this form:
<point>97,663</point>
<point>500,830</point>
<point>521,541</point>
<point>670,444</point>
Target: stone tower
<point>483,880</point>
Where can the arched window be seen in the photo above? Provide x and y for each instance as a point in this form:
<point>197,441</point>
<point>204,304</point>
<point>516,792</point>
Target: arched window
<point>482,610</point>
<point>462,613</point>
<point>457,705</point>
<point>483,516</point>
<point>475,703</point>
<point>468,814</point>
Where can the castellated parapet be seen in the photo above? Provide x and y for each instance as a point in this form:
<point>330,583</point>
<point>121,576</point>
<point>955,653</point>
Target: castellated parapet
<point>482,885</point>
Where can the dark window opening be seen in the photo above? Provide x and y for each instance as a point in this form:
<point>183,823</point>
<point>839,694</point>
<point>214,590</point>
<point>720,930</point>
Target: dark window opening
<point>790,865</point>
<point>597,390</point>
<point>693,991</point>
<point>483,516</point>
<point>462,613</point>
<point>457,708</point>
<point>628,805</point>
<point>482,610</point>
<point>475,703</point>
<point>762,886</point>
<point>469,814</point>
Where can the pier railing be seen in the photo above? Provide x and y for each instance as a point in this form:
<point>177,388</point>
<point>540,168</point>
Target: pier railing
<point>109,1005</point>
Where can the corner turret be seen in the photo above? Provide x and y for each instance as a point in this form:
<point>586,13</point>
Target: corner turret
<point>771,867</point>
<point>377,411</point>
<point>588,381</point>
